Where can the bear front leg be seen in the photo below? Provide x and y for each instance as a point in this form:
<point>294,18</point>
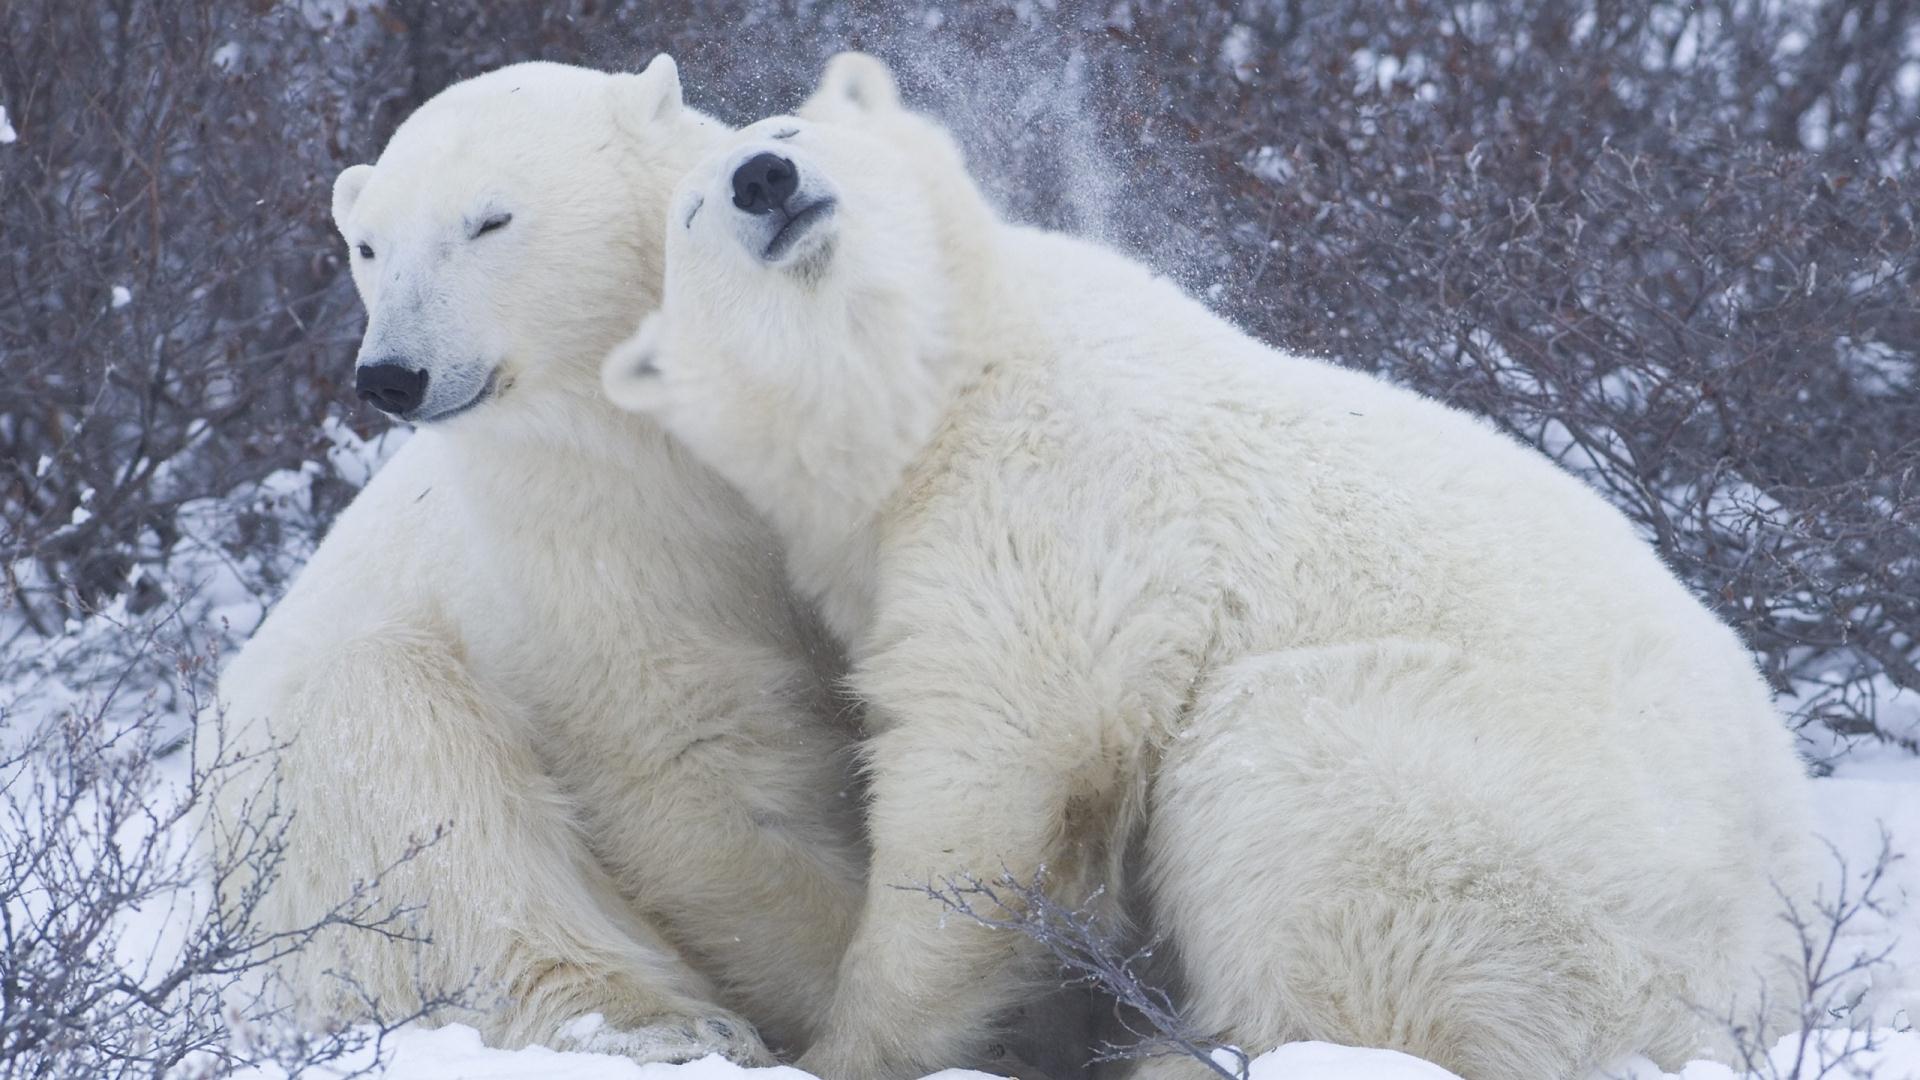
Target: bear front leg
<point>919,987</point>
<point>388,737</point>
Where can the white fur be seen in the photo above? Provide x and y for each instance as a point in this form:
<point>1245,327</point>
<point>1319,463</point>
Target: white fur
<point>548,627</point>
<point>1412,741</point>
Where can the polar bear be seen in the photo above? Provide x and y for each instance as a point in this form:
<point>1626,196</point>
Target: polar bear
<point>1402,735</point>
<point>545,626</point>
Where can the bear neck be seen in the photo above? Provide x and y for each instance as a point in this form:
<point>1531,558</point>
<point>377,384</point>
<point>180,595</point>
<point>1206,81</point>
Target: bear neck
<point>830,486</point>
<point>556,439</point>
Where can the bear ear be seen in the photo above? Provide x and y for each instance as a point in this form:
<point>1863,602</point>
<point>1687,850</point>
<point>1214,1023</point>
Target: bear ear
<point>653,94</point>
<point>631,375</point>
<point>346,191</point>
<point>854,83</point>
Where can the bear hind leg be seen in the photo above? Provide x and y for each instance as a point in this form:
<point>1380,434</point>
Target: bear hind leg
<point>1331,861</point>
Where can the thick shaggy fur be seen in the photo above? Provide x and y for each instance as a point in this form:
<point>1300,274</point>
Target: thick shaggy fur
<point>1418,744</point>
<point>548,627</point>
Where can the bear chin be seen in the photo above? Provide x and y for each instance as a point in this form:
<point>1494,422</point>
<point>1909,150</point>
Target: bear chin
<point>800,238</point>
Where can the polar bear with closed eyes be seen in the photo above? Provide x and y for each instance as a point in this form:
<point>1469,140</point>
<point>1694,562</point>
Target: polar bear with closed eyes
<point>1399,735</point>
<point>545,627</point>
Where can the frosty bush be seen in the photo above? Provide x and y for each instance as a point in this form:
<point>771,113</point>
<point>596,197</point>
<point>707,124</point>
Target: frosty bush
<point>114,962</point>
<point>1672,245</point>
<point>1090,951</point>
<point>1835,1037</point>
<point>171,316</point>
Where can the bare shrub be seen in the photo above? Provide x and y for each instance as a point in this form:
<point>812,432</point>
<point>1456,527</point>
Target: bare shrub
<point>1091,953</point>
<point>114,961</point>
<point>1671,245</point>
<point>1834,1038</point>
<point>173,320</point>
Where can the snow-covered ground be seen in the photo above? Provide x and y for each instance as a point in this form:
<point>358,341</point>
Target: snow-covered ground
<point>455,1052</point>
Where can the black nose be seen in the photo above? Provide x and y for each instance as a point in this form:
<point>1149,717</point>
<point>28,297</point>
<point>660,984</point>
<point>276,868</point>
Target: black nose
<point>764,183</point>
<point>391,387</point>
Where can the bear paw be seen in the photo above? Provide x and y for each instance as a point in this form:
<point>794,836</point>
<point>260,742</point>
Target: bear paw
<point>669,1040</point>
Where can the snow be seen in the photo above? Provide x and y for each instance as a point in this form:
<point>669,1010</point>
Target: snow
<point>1270,163</point>
<point>455,1052</point>
<point>1869,792</point>
<point>7,134</point>
<point>122,296</point>
<point>1236,51</point>
<point>1325,1061</point>
<point>1890,1055</point>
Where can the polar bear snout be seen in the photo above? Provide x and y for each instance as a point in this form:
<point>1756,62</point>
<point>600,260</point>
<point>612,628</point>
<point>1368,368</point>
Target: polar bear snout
<point>425,395</point>
<point>765,183</point>
<point>391,386</point>
<point>781,205</point>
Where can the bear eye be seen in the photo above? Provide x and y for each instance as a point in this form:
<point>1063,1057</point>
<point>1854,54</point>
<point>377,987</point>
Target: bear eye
<point>497,221</point>
<point>788,133</point>
<point>366,251</point>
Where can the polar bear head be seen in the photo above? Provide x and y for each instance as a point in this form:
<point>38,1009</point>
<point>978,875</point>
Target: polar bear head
<point>819,271</point>
<point>509,234</point>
